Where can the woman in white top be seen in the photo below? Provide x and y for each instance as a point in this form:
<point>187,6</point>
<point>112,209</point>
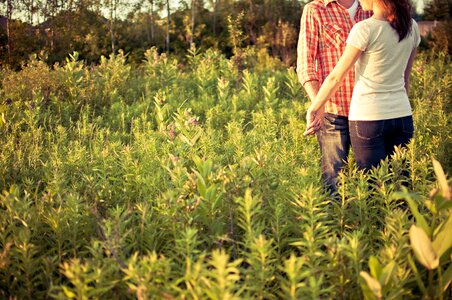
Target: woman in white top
<point>383,48</point>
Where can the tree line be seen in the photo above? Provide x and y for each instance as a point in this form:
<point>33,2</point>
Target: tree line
<point>55,28</point>
<point>101,27</point>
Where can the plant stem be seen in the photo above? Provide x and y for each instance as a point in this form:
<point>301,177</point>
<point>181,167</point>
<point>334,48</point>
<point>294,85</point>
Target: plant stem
<point>430,284</point>
<point>440,283</point>
<point>416,275</point>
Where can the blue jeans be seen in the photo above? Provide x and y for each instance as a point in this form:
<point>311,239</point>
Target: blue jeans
<point>334,140</point>
<point>373,141</point>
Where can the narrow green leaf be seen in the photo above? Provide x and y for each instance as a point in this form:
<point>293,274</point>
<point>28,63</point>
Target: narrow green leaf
<point>431,205</point>
<point>447,278</point>
<point>443,240</point>
<point>198,161</point>
<point>211,192</point>
<point>70,294</point>
<point>208,168</point>
<point>419,281</point>
<point>442,180</point>
<point>420,220</point>
<point>195,138</point>
<point>217,201</point>
<point>423,248</point>
<point>185,139</point>
<point>201,184</point>
<point>375,267</point>
<point>372,284</point>
<point>387,273</point>
<point>445,205</point>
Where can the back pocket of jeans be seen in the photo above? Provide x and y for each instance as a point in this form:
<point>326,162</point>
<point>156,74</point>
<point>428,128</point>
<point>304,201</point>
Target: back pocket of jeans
<point>368,130</point>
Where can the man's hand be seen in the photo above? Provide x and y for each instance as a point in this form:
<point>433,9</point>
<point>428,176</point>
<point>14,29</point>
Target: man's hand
<point>314,121</point>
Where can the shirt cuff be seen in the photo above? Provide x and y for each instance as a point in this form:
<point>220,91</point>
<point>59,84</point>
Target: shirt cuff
<point>304,77</point>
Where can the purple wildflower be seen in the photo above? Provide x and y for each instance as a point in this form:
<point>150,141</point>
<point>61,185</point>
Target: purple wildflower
<point>172,133</point>
<point>193,121</point>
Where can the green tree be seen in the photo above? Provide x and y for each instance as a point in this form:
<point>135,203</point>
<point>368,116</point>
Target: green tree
<point>441,40</point>
<point>437,10</point>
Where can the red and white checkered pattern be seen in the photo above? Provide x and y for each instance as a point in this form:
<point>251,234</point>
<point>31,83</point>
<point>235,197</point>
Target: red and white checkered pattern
<point>325,25</point>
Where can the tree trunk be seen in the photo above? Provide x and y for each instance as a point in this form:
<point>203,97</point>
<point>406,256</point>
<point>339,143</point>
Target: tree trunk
<point>251,22</point>
<point>31,12</point>
<point>193,12</point>
<point>53,10</point>
<point>112,24</point>
<point>168,20</point>
<point>152,22</point>
<point>148,31</point>
<point>214,18</point>
<point>9,14</point>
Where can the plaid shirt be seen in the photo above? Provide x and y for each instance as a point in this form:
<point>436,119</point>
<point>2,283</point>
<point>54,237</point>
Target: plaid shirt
<point>325,25</point>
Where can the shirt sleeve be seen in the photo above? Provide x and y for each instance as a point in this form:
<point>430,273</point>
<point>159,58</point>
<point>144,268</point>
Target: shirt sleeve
<point>417,36</point>
<point>359,36</point>
<point>308,45</point>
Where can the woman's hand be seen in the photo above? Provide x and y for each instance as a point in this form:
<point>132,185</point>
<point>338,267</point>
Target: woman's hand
<point>314,120</point>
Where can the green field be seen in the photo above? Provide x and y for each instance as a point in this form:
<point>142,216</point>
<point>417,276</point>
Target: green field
<point>192,180</point>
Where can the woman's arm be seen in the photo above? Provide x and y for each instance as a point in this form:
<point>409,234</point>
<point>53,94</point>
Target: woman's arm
<point>409,65</point>
<point>329,87</point>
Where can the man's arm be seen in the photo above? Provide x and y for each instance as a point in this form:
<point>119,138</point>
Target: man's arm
<point>307,53</point>
<point>312,88</point>
<point>307,50</point>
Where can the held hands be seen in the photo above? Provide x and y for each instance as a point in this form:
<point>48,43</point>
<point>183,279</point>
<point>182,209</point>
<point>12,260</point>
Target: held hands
<point>314,120</point>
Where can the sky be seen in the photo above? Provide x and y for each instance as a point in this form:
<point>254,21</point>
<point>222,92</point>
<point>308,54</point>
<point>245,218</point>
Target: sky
<point>419,5</point>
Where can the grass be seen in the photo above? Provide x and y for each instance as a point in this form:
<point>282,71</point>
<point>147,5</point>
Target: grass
<point>195,182</point>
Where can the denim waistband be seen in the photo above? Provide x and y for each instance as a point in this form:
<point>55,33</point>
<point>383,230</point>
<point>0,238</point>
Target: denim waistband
<point>335,116</point>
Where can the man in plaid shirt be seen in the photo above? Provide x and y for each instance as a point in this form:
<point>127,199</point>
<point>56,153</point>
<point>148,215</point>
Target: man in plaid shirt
<point>325,25</point>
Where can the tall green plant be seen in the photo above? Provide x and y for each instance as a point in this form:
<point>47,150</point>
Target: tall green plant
<point>430,243</point>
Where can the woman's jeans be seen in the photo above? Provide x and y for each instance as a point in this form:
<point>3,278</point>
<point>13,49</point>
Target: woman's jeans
<point>373,141</point>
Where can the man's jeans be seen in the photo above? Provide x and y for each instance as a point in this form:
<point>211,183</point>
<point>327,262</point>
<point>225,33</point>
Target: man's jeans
<point>373,141</point>
<point>334,140</point>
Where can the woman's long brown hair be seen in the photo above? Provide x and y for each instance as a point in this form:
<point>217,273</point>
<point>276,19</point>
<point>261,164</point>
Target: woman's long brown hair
<point>399,16</point>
